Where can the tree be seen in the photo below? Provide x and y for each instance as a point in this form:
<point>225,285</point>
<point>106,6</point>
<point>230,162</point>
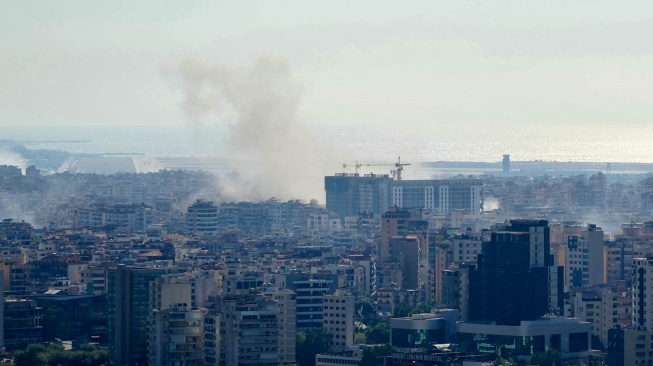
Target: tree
<point>371,355</point>
<point>359,338</point>
<point>380,333</point>
<point>54,354</point>
<point>31,356</point>
<point>403,309</point>
<point>56,323</point>
<point>311,343</point>
<point>548,358</point>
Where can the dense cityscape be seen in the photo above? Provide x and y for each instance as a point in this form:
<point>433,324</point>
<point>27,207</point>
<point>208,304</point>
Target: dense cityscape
<point>501,268</point>
<point>326,183</point>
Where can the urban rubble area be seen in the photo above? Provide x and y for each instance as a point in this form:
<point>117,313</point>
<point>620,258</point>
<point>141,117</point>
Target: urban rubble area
<point>160,269</point>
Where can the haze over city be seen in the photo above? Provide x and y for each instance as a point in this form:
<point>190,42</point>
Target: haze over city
<point>299,183</point>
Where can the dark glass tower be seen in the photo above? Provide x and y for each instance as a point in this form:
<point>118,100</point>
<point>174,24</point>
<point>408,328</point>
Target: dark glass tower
<point>512,281</point>
<point>128,310</point>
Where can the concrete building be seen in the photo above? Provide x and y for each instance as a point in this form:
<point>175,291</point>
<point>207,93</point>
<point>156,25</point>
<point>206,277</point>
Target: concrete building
<point>202,218</point>
<point>351,358</point>
<point>176,336</point>
<point>22,323</point>
<point>310,290</point>
<point>211,339</point>
<point>570,337</point>
<point>628,346</point>
<point>339,312</point>
<point>393,223</point>
<point>249,330</point>
<point>2,313</point>
<point>597,306</point>
<point>643,293</point>
<point>584,262</point>
<point>405,250</point>
<point>466,247</point>
<point>349,194</point>
<point>420,331</point>
<point>287,316</point>
<point>134,217</point>
<point>169,290</point>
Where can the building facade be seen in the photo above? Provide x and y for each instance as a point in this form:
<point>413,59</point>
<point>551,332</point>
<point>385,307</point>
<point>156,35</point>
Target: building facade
<point>349,194</point>
<point>176,336</point>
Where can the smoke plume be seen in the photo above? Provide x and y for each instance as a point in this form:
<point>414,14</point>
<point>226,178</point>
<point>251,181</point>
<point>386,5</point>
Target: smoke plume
<point>273,151</point>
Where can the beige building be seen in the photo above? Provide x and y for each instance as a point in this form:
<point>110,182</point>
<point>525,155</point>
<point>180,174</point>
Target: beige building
<point>249,327</point>
<point>287,317</point>
<point>339,320</point>
<point>597,306</point>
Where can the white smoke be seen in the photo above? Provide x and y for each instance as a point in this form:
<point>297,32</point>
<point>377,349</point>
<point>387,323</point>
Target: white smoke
<point>491,203</point>
<point>272,150</point>
<point>9,157</point>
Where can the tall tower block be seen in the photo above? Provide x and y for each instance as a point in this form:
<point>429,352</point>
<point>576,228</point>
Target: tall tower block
<point>506,163</point>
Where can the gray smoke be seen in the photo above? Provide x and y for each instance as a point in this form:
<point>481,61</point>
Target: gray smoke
<point>274,153</point>
<point>10,157</point>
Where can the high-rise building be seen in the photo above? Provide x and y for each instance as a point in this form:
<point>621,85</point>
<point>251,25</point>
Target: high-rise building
<point>309,289</point>
<point>168,290</point>
<point>350,194</point>
<point>584,258</point>
<point>393,223</point>
<point>405,250</point>
<point>2,311</point>
<point>22,323</point>
<point>176,337</point>
<point>506,163</point>
<point>128,312</point>
<point>249,331</point>
<point>202,218</point>
<point>339,320</point>
<point>287,304</point>
<point>597,306</point>
<point>515,279</point>
<point>643,293</point>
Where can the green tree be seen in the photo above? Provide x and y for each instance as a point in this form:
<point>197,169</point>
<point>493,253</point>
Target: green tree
<point>548,358</point>
<point>378,334</point>
<point>403,309</point>
<point>56,323</point>
<point>372,356</point>
<point>39,355</point>
<point>311,343</point>
<point>31,356</point>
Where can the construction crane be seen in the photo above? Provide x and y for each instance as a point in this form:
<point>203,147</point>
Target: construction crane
<point>357,166</point>
<point>396,173</point>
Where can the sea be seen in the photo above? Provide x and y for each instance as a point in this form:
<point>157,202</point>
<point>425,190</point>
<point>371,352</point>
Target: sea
<point>619,143</point>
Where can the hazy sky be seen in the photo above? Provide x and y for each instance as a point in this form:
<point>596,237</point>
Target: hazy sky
<point>358,62</point>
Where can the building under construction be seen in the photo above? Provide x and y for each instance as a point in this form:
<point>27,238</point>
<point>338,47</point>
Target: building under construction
<point>348,194</point>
